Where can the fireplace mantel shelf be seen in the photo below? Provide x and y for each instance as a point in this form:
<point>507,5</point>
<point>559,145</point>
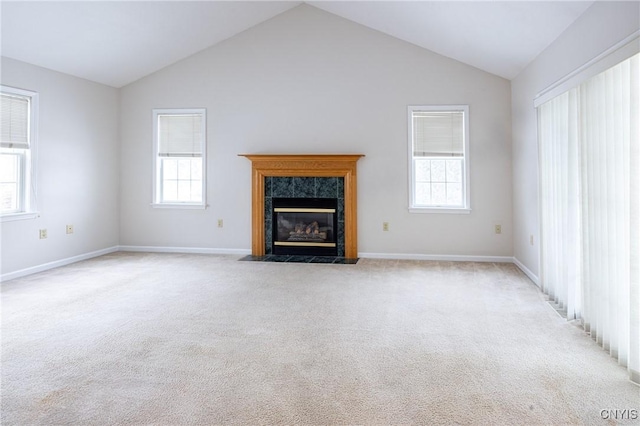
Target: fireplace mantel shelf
<point>304,165</point>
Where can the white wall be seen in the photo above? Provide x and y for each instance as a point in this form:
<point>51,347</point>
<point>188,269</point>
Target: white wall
<point>77,169</point>
<point>600,27</point>
<point>309,82</point>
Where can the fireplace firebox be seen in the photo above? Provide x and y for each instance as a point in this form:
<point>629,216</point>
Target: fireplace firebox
<point>305,226</point>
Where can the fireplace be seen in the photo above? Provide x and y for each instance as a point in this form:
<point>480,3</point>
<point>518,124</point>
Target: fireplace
<point>305,226</point>
<point>267,167</point>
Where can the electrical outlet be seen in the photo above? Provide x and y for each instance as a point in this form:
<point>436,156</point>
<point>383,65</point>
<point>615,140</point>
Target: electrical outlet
<point>69,229</point>
<point>220,223</point>
<point>385,226</point>
<point>498,229</point>
<point>43,234</point>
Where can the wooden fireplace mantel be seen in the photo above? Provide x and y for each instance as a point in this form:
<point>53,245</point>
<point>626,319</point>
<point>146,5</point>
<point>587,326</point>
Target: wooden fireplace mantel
<point>304,165</point>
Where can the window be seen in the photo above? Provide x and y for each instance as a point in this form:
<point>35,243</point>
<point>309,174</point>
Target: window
<point>18,111</point>
<point>438,159</point>
<point>179,154</point>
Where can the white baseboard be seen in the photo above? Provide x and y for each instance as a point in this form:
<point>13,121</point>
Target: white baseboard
<point>533,277</point>
<point>440,257</point>
<point>193,250</point>
<point>242,252</point>
<point>56,264</point>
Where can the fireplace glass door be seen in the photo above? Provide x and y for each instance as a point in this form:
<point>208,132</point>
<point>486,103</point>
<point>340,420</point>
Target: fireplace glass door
<point>305,226</point>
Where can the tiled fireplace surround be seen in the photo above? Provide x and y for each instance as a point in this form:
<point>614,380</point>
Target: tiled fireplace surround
<point>303,187</point>
<point>304,176</point>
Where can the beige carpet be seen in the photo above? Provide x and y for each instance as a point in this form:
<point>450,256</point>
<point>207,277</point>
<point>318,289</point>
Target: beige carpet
<point>134,338</point>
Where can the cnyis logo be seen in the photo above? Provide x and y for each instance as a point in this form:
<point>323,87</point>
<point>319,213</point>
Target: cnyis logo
<point>609,414</point>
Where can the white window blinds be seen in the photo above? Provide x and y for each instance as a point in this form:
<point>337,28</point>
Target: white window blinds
<point>438,133</point>
<point>14,111</point>
<point>180,135</point>
<point>590,207</point>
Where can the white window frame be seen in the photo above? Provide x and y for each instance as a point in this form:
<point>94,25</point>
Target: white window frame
<point>27,180</point>
<point>413,207</point>
<point>157,172</point>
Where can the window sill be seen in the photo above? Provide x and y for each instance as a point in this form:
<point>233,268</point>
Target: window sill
<point>10,217</point>
<point>438,210</point>
<point>179,206</point>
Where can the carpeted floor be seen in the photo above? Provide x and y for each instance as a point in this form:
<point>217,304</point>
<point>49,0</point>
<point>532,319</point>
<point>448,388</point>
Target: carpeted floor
<point>171,339</point>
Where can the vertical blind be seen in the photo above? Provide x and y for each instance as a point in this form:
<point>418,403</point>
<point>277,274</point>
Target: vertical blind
<point>437,134</point>
<point>180,135</point>
<point>14,113</point>
<point>590,208</point>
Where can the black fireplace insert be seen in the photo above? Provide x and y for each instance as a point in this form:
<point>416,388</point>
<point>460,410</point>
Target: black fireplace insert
<point>305,226</point>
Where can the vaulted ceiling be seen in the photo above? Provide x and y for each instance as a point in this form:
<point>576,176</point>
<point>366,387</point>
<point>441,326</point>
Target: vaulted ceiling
<point>116,43</point>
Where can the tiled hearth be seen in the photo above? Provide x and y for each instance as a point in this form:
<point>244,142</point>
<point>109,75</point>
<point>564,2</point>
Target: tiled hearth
<point>303,176</point>
<point>335,260</point>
